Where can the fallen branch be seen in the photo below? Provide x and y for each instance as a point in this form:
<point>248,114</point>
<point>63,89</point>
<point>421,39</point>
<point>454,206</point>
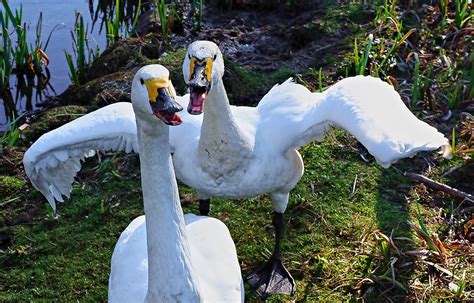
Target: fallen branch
<point>440,186</point>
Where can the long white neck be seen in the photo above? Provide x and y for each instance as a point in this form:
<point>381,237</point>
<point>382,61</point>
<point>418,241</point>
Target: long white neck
<point>170,275</point>
<point>222,146</point>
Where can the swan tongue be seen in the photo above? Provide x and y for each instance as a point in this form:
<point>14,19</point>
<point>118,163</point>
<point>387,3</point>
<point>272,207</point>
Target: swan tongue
<point>168,118</point>
<point>196,101</point>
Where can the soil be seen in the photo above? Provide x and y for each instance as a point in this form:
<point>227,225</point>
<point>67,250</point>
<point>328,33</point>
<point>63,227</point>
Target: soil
<point>269,39</point>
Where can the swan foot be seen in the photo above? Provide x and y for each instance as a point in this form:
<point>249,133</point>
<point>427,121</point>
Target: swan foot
<point>204,206</point>
<point>271,279</point>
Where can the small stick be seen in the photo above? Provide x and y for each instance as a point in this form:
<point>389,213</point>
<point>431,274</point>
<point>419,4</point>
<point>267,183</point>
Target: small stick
<point>440,186</point>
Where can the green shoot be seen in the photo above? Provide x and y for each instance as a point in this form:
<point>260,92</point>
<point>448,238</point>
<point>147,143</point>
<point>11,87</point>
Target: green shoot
<point>395,45</point>
<point>11,136</point>
<point>443,7</point>
<point>113,27</point>
<point>162,12</point>
<point>320,79</point>
<point>80,45</point>
<point>366,55</point>
<point>415,90</point>
<point>454,97</point>
<point>462,15</point>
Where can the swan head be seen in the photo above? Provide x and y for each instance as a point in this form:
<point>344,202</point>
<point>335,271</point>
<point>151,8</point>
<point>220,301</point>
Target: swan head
<point>203,66</point>
<point>153,95</point>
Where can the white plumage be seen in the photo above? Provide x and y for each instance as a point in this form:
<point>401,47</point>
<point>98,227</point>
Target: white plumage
<point>238,152</point>
<point>208,239</point>
<point>166,257</point>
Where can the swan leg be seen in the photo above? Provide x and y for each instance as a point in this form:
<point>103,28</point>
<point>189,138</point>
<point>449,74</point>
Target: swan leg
<point>204,206</point>
<point>273,278</point>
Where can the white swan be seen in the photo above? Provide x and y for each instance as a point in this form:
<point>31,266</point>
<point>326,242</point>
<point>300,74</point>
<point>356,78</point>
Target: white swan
<point>162,259</point>
<point>238,152</point>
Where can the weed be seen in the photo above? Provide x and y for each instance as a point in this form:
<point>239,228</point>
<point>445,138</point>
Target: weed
<point>443,7</point>
<point>6,62</point>
<point>320,79</point>
<point>431,239</point>
<point>10,137</point>
<point>462,13</point>
<point>162,12</point>
<point>415,89</point>
<point>197,8</point>
<point>84,54</point>
<point>113,26</point>
<point>360,64</point>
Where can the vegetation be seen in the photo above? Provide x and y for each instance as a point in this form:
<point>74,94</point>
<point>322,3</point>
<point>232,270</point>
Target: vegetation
<point>83,52</point>
<point>20,58</point>
<point>356,232</point>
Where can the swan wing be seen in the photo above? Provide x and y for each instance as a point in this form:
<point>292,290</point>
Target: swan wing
<point>368,108</point>
<point>214,258</point>
<point>52,162</point>
<point>128,280</point>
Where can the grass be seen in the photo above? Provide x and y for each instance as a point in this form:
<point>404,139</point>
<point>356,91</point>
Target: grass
<point>69,257</point>
<point>346,235</point>
<point>347,238</point>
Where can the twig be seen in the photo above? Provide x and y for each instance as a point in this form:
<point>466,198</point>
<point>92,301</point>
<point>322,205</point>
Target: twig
<point>353,188</point>
<point>440,186</point>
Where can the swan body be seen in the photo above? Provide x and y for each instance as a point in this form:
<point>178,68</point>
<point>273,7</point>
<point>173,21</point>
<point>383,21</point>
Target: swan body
<point>208,240</point>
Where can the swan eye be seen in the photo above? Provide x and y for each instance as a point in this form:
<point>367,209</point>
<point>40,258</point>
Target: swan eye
<point>189,56</point>
<point>215,57</point>
<point>142,81</point>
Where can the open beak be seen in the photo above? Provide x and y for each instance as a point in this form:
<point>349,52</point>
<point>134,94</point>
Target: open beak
<point>162,103</point>
<point>199,86</point>
<point>165,108</point>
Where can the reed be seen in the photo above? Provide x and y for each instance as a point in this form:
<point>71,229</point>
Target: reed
<point>83,52</point>
<point>162,12</point>
<point>462,13</point>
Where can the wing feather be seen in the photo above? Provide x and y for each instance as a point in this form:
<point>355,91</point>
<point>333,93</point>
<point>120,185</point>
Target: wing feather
<point>368,108</point>
<point>53,161</point>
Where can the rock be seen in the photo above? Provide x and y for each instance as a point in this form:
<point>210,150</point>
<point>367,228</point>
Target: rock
<point>101,91</point>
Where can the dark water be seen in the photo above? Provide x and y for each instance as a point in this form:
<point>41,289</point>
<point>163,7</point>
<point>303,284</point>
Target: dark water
<point>55,12</point>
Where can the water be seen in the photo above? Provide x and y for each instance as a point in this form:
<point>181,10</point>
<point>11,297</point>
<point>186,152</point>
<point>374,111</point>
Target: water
<point>55,12</point>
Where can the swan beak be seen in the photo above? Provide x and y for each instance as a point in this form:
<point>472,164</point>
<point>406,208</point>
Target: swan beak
<point>199,86</point>
<point>165,108</point>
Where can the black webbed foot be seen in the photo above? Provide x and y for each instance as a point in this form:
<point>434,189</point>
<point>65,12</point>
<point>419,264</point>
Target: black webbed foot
<point>272,278</point>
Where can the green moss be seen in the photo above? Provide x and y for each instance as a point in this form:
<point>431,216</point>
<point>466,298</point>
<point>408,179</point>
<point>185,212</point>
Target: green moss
<point>245,87</point>
<point>10,185</point>
<point>50,120</point>
<point>173,61</point>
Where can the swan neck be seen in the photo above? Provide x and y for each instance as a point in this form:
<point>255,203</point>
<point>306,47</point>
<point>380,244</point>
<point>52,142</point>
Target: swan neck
<point>218,102</point>
<point>223,147</point>
<point>170,274</point>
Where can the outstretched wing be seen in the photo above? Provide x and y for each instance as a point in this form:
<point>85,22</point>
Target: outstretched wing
<point>368,108</point>
<point>53,160</point>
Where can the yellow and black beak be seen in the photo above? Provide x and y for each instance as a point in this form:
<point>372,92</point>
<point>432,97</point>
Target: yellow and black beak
<point>199,83</point>
<point>161,94</point>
